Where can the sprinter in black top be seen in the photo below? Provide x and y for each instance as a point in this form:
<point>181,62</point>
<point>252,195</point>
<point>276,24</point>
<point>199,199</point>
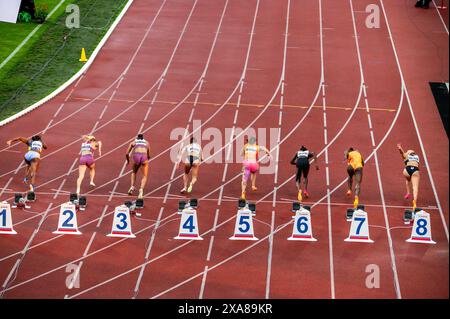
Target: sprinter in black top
<point>301,160</point>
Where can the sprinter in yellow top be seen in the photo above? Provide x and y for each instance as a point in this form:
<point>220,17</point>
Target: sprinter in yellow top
<point>355,164</point>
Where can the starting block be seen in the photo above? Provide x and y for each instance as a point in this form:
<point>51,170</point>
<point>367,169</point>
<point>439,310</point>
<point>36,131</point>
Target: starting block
<point>134,206</point>
<point>243,229</point>
<point>21,202</point>
<point>67,223</point>
<point>350,212</point>
<point>189,222</point>
<point>421,230</point>
<point>359,229</point>
<point>79,202</point>
<point>302,229</point>
<point>408,216</point>
<point>6,224</point>
<point>121,226</point>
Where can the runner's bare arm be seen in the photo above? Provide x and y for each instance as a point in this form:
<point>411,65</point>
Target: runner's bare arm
<point>315,160</point>
<point>99,144</point>
<point>127,155</point>
<point>293,159</point>
<point>400,149</point>
<point>20,139</point>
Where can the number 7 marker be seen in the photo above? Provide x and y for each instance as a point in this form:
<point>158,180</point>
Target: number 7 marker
<point>359,229</point>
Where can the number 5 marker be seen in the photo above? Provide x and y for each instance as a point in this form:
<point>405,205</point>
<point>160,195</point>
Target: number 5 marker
<point>243,229</point>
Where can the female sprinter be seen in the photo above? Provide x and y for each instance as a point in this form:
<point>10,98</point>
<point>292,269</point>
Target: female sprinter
<point>192,156</point>
<point>354,168</point>
<point>141,155</point>
<point>89,145</point>
<point>411,173</point>
<point>250,152</point>
<point>301,160</point>
<point>32,157</point>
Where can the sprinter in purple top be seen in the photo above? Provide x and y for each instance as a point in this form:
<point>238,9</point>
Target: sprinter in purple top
<point>89,145</point>
<point>141,154</point>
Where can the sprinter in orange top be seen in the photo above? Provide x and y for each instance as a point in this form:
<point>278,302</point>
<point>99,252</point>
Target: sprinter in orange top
<point>355,168</point>
<point>250,152</point>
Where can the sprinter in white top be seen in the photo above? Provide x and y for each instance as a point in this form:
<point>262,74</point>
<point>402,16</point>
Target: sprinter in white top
<point>411,173</point>
<point>32,157</point>
<point>191,157</point>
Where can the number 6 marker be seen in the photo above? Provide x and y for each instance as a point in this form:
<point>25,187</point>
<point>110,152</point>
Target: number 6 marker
<point>421,231</point>
<point>121,226</point>
<point>302,229</point>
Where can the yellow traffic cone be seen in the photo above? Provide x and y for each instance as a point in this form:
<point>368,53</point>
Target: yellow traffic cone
<point>83,55</point>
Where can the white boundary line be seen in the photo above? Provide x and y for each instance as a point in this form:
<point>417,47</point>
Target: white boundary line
<point>76,75</point>
<point>440,16</point>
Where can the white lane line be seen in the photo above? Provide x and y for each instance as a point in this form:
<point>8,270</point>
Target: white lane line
<point>15,268</point>
<point>440,16</point>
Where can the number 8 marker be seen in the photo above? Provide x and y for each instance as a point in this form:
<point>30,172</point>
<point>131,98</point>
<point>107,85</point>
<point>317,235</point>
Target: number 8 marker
<point>421,230</point>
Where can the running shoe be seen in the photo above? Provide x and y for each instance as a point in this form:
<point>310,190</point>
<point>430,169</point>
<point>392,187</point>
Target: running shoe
<point>92,184</point>
<point>137,214</point>
<point>305,193</point>
<point>407,196</point>
<point>349,193</point>
<point>189,188</point>
<point>299,196</point>
<point>254,188</point>
<point>356,202</point>
<point>141,193</point>
<point>131,190</point>
<point>183,190</point>
<point>25,180</point>
<point>31,188</point>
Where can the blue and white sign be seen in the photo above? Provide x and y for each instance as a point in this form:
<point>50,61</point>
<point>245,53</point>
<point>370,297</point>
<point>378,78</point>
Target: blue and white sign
<point>121,226</point>
<point>421,230</point>
<point>189,225</point>
<point>243,229</point>
<point>67,223</point>
<point>302,229</point>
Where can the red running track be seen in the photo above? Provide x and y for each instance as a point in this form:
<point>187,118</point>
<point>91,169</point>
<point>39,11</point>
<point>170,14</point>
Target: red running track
<point>310,70</point>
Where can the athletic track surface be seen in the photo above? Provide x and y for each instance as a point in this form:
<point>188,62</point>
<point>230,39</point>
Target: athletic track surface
<point>308,67</point>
